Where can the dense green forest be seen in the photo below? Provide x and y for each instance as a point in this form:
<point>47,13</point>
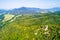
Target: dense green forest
<point>43,26</point>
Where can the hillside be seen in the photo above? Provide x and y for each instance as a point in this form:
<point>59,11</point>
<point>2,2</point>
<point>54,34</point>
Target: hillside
<point>44,26</point>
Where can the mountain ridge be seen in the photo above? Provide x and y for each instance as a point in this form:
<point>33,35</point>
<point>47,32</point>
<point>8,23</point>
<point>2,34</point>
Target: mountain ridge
<point>27,10</point>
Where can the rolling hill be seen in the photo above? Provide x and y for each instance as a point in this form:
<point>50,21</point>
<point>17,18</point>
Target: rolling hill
<point>44,26</point>
<point>30,24</point>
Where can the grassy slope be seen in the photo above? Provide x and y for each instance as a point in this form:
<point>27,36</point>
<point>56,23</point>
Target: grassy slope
<point>32,27</point>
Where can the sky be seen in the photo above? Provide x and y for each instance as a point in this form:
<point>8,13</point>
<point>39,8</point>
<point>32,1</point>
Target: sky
<point>43,4</point>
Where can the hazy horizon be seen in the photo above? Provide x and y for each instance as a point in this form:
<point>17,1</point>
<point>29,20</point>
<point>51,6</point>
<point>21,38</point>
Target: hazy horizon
<point>43,4</point>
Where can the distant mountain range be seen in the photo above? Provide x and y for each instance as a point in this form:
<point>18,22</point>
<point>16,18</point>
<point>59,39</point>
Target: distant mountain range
<point>26,10</point>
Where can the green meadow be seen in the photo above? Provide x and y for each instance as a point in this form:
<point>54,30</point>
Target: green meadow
<point>45,26</point>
